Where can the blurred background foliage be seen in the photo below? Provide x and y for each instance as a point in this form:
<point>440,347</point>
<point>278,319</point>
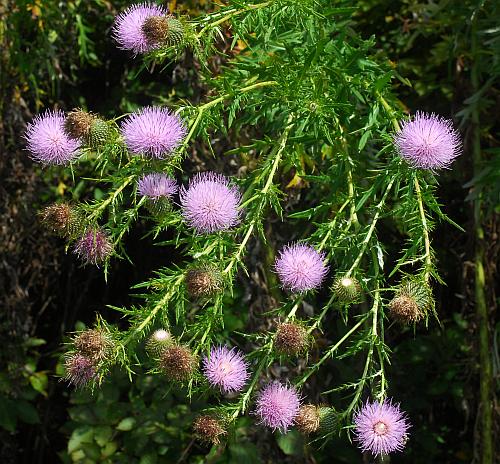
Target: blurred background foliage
<point>60,54</point>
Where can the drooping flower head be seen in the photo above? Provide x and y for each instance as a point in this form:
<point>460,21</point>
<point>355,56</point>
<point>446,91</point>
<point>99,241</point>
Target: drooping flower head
<point>95,344</point>
<point>80,370</point>
<point>47,141</point>
<point>93,247</point>
<point>300,267</point>
<point>277,406</point>
<point>63,219</point>
<point>153,132</point>
<point>226,369</point>
<point>156,186</point>
<point>210,203</point>
<point>381,428</point>
<point>428,141</point>
<point>128,29</point>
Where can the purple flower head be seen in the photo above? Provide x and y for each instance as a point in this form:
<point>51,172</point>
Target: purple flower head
<point>156,186</point>
<point>47,141</point>
<point>300,267</point>
<point>210,203</point>
<point>153,132</point>
<point>128,27</point>
<point>428,141</point>
<point>80,370</point>
<point>226,369</point>
<point>381,428</point>
<point>277,406</point>
<point>94,247</point>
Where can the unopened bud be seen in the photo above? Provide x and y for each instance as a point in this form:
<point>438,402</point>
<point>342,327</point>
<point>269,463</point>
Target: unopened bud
<point>158,341</point>
<point>99,133</point>
<point>347,289</point>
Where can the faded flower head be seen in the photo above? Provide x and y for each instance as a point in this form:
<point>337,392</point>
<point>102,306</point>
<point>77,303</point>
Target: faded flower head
<point>163,30</point>
<point>78,123</point>
<point>308,419</point>
<point>153,131</point>
<point>300,267</point>
<point>158,341</point>
<point>381,428</point>
<point>291,338</point>
<point>428,141</point>
<point>80,370</point>
<point>128,29</point>
<point>412,301</point>
<point>62,218</point>
<point>94,247</point>
<point>156,186</point>
<point>93,344</point>
<point>210,203</point>
<point>208,429</point>
<point>178,363</point>
<point>226,369</point>
<point>48,142</point>
<point>203,281</point>
<point>278,406</point>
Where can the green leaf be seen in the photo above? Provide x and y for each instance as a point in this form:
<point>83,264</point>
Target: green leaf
<point>126,424</point>
<point>39,382</point>
<point>292,443</point>
<point>80,436</point>
<point>27,412</point>
<point>8,414</point>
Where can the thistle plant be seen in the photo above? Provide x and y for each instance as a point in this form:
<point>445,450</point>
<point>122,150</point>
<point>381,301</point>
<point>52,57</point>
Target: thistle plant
<point>308,93</point>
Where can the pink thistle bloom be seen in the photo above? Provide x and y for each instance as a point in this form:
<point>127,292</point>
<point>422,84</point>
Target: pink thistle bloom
<point>428,141</point>
<point>47,141</point>
<point>300,267</point>
<point>94,247</point>
<point>210,203</point>
<point>80,370</point>
<point>381,428</point>
<point>153,132</point>
<point>157,186</point>
<point>226,369</point>
<point>128,27</point>
<point>277,406</point>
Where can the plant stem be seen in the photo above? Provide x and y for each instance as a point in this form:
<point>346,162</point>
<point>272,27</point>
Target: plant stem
<point>425,230</point>
<point>111,198</point>
<point>485,371</point>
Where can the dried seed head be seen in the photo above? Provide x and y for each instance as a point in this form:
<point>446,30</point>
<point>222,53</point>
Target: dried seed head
<point>80,370</point>
<point>62,219</point>
<point>291,338</point>
<point>413,300</point>
<point>94,344</point>
<point>347,289</point>
<point>163,30</point>
<point>203,282</point>
<point>78,123</point>
<point>208,429</point>
<point>99,133</point>
<point>158,341</point>
<point>178,363</point>
<point>308,419</point>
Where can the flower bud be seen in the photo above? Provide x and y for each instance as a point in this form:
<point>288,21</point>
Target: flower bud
<point>62,219</point>
<point>80,370</point>
<point>347,289</point>
<point>78,123</point>
<point>412,301</point>
<point>208,429</point>
<point>291,338</point>
<point>158,341</point>
<point>94,247</point>
<point>163,30</point>
<point>99,133</point>
<point>178,363</point>
<point>204,281</point>
<point>93,344</point>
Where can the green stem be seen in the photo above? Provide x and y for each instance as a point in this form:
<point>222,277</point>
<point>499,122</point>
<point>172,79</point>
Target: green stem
<point>111,198</point>
<point>425,229</point>
<point>485,371</point>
